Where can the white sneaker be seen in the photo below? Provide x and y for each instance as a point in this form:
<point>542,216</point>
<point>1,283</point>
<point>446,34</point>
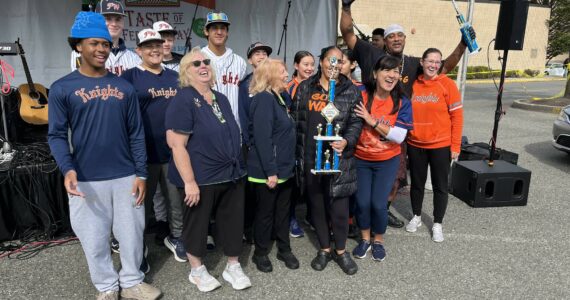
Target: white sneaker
<point>236,277</point>
<point>414,223</point>
<point>203,280</point>
<point>437,233</point>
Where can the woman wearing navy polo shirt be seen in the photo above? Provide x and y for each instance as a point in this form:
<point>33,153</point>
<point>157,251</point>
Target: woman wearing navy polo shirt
<point>208,169</point>
<point>271,162</point>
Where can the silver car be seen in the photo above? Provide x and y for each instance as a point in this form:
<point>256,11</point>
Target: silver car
<point>561,131</point>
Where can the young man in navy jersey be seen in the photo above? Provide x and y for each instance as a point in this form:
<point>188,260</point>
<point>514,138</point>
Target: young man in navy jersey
<point>155,87</point>
<point>105,175</point>
<point>256,54</point>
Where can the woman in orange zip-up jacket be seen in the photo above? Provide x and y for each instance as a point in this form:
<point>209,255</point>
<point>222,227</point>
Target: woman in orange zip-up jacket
<point>435,139</point>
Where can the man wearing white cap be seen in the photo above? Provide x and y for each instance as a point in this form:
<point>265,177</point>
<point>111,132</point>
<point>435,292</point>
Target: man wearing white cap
<point>121,58</point>
<point>171,59</point>
<point>395,40</point>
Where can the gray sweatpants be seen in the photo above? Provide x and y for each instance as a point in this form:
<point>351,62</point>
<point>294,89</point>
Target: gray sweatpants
<point>108,207</point>
<point>157,176</point>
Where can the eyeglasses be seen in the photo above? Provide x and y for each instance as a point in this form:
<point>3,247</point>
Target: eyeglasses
<point>433,62</point>
<point>197,63</point>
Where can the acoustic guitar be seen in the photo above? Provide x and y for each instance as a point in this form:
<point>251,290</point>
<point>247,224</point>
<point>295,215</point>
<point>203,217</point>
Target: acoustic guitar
<point>33,97</point>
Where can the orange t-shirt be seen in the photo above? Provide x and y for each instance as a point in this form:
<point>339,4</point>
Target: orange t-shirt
<point>371,145</point>
<point>438,114</point>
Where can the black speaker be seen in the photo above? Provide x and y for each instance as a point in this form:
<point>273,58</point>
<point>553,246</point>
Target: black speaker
<point>480,185</point>
<point>512,25</point>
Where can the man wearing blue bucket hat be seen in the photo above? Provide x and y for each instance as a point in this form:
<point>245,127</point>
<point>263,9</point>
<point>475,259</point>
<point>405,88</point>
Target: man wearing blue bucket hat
<point>105,175</point>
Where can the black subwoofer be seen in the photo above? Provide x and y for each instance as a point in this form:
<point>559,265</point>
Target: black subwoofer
<point>480,185</point>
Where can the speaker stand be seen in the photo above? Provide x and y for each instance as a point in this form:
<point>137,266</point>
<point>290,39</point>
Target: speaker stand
<point>499,111</point>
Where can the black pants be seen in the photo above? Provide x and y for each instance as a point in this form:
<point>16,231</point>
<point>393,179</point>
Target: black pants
<point>438,160</point>
<point>272,216</point>
<point>225,202</point>
<point>249,202</point>
<point>326,210</point>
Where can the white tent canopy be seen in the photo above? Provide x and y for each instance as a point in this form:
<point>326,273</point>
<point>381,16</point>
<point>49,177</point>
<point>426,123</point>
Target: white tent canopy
<point>43,28</point>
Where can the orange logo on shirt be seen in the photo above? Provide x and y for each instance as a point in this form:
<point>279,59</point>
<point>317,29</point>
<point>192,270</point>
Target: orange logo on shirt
<point>318,101</point>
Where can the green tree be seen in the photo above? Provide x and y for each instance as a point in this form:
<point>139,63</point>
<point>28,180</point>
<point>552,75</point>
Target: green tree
<point>558,28</point>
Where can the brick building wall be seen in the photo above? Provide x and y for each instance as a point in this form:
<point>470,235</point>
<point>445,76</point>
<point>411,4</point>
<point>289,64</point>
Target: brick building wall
<point>436,26</point>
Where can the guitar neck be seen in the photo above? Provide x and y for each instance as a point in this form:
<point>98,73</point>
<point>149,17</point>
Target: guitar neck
<point>28,75</point>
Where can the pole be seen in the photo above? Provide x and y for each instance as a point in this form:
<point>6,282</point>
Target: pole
<point>499,110</point>
<point>462,74</point>
<point>284,34</point>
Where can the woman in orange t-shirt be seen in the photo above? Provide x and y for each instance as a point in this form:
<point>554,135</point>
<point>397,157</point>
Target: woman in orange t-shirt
<point>435,139</point>
<point>387,113</point>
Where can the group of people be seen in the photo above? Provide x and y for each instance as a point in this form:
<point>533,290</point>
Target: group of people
<point>217,154</point>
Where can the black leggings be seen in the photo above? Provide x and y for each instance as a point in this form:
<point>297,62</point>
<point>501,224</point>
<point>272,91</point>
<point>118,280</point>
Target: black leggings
<point>438,160</point>
<point>326,210</point>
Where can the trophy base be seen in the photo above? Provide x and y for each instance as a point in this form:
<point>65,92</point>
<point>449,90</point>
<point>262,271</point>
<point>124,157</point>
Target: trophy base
<point>325,172</point>
<point>327,138</point>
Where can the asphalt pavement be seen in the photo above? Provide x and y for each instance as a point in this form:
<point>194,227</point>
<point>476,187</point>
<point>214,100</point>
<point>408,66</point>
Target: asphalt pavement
<point>495,253</point>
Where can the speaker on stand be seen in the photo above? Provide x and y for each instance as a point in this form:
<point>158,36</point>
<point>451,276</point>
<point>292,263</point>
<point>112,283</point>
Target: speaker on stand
<point>497,183</point>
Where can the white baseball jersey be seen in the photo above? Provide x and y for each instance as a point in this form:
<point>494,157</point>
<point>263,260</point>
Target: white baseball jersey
<point>230,68</point>
<point>116,63</point>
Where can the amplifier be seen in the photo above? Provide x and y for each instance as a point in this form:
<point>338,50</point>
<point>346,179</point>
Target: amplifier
<point>480,185</point>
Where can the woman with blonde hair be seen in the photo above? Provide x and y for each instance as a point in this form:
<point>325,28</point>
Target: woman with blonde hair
<point>271,161</point>
<point>207,168</point>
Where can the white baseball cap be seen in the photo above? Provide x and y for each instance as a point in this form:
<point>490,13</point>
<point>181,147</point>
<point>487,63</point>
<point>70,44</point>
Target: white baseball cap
<point>148,35</point>
<point>163,27</point>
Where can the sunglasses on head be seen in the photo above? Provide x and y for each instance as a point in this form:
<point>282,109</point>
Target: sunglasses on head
<point>197,63</point>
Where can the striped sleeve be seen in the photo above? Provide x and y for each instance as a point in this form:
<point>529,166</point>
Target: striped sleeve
<point>405,119</point>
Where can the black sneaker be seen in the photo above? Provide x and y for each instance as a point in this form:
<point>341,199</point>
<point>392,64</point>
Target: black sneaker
<point>393,221</point>
<point>289,259</point>
<point>262,263</point>
<point>320,262</point>
<point>346,263</point>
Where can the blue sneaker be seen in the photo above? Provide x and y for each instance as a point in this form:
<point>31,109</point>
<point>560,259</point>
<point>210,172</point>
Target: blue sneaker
<point>145,267</point>
<point>361,250</point>
<point>175,245</point>
<point>295,230</point>
<point>378,252</point>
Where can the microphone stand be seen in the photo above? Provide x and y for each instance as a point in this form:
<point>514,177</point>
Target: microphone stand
<point>188,42</point>
<point>6,148</point>
<point>284,33</point>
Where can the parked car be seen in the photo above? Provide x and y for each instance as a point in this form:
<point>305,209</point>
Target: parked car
<point>561,131</point>
<point>555,69</point>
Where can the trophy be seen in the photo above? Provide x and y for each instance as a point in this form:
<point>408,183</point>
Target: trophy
<point>329,112</point>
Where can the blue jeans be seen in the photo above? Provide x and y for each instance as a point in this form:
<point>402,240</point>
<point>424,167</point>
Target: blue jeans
<point>375,180</point>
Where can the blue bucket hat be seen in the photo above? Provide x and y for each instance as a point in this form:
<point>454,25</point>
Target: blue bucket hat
<point>90,25</point>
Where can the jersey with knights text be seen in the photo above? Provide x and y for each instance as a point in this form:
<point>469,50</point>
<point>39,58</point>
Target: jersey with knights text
<point>230,69</point>
<point>120,59</point>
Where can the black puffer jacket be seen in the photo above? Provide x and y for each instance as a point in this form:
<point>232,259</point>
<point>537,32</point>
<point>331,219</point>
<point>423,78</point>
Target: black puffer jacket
<point>347,96</point>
